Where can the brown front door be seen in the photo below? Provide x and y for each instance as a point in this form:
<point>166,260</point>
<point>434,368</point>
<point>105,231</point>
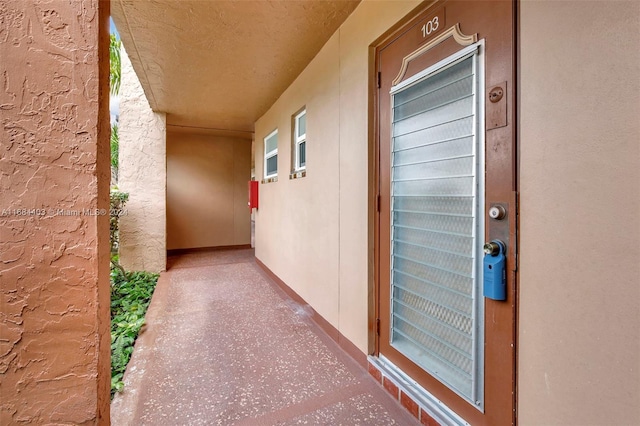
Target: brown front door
<point>446,156</point>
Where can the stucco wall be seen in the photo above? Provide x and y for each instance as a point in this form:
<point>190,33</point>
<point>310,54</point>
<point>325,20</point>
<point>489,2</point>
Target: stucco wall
<point>142,174</point>
<point>312,231</point>
<point>54,263</point>
<point>579,344</point>
<point>207,179</point>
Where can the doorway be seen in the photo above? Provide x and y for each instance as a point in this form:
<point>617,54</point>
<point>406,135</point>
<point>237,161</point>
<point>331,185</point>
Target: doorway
<point>445,138</point>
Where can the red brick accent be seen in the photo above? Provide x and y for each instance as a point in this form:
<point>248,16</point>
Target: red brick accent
<point>390,387</point>
<point>427,420</point>
<point>375,373</point>
<point>409,404</point>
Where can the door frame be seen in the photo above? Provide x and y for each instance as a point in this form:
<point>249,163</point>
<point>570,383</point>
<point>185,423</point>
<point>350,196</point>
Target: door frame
<point>509,198</point>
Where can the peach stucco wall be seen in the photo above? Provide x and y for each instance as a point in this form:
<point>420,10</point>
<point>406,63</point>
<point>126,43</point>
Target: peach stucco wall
<point>143,175</point>
<point>54,251</point>
<point>312,232</point>
<point>579,338</point>
<point>207,179</point>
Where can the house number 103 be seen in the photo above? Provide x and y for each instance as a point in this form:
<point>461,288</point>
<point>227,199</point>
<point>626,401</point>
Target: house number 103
<point>430,27</point>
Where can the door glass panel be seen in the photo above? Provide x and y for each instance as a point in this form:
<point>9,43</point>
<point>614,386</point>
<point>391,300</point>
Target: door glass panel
<point>443,132</point>
<point>454,111</point>
<point>436,314</point>
<point>454,148</point>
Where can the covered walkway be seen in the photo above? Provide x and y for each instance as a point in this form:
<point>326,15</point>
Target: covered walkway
<point>223,345</point>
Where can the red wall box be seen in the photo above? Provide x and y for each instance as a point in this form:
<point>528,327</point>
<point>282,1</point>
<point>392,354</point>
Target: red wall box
<point>253,194</point>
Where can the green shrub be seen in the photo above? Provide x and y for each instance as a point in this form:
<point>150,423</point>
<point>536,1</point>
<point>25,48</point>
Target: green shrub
<point>117,200</point>
<point>130,297</point>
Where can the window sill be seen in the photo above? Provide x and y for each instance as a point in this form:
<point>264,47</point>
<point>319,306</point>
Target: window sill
<point>269,180</point>
<point>297,175</point>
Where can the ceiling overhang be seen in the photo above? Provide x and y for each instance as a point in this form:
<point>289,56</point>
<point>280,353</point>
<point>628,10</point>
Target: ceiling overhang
<point>219,65</point>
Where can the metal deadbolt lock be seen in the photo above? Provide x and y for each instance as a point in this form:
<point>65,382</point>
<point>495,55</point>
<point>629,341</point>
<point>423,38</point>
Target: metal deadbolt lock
<point>493,248</point>
<point>497,212</point>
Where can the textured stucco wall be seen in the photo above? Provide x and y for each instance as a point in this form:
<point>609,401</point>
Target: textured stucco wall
<point>143,174</point>
<point>54,264</point>
<point>207,179</point>
<point>313,232</point>
<point>579,339</point>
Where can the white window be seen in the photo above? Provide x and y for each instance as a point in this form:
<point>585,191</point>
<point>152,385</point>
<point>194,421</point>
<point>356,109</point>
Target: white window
<point>300,136</point>
<point>271,155</point>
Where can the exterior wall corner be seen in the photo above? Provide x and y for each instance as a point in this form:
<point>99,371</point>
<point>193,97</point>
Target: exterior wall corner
<point>143,175</point>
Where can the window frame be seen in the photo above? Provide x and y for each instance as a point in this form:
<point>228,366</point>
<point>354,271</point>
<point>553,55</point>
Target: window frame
<point>298,140</point>
<point>270,154</point>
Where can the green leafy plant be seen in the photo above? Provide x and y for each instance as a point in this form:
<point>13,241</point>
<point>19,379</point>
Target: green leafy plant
<point>117,201</point>
<point>115,150</point>
<point>130,297</point>
<point>115,76</point>
<point>114,65</point>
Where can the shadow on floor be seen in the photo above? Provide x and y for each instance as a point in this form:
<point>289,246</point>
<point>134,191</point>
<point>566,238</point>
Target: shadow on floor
<point>223,345</point>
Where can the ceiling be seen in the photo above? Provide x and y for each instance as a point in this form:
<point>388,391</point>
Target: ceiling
<point>219,65</point>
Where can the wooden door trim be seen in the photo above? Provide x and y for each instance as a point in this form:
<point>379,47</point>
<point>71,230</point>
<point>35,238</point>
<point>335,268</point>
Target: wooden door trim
<point>453,31</point>
<point>385,39</point>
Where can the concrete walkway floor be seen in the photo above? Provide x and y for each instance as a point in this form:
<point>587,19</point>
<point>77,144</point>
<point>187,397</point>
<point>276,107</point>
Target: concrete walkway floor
<point>223,345</point>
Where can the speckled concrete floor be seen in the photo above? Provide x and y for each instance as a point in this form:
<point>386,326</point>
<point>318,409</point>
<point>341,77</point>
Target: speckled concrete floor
<point>224,346</point>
